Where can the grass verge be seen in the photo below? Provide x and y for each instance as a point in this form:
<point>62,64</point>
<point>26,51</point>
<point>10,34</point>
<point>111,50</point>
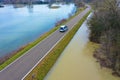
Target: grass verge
<point>40,71</point>
<point>32,44</point>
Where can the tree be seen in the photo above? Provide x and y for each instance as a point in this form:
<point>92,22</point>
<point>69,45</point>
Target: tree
<point>79,3</point>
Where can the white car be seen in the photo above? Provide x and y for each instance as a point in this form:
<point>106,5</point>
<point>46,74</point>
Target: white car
<point>63,28</point>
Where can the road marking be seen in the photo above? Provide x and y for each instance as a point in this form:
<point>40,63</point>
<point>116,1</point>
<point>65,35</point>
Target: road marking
<point>44,56</point>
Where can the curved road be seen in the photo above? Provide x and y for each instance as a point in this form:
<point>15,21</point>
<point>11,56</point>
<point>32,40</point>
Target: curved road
<point>23,65</point>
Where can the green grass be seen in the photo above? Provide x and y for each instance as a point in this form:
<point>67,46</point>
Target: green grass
<point>46,64</point>
<point>32,44</point>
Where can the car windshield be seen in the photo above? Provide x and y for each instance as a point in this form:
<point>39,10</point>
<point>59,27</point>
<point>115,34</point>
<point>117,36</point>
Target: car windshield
<point>62,28</point>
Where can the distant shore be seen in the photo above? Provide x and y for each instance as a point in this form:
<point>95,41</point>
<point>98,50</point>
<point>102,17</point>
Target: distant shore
<point>24,2</point>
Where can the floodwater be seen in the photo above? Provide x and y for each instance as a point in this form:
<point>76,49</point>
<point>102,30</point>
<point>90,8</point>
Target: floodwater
<point>77,63</point>
<point>20,26</point>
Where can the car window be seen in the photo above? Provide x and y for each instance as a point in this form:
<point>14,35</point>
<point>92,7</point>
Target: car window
<point>61,28</point>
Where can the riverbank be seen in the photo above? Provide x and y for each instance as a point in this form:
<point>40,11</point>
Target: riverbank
<point>40,71</point>
<point>32,44</point>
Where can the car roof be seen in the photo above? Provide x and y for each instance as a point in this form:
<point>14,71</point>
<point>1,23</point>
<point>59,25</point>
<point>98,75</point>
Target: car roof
<point>62,26</point>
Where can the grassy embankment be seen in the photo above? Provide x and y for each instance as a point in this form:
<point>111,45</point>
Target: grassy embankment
<point>32,44</point>
<point>45,65</point>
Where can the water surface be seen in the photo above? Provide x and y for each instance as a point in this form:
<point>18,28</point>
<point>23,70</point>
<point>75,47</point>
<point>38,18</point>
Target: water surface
<point>77,62</point>
<point>20,26</point>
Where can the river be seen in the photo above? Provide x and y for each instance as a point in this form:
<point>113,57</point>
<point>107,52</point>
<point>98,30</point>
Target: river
<point>20,26</point>
<point>77,62</point>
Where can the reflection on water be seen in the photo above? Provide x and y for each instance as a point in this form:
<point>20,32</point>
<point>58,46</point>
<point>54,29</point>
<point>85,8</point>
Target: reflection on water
<point>30,8</point>
<point>76,61</point>
<point>20,25</point>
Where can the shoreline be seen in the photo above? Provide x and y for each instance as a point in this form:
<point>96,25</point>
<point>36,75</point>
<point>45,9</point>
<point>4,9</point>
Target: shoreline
<point>14,52</point>
<point>103,63</point>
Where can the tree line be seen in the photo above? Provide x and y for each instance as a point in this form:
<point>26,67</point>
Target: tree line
<point>105,30</point>
<point>39,1</point>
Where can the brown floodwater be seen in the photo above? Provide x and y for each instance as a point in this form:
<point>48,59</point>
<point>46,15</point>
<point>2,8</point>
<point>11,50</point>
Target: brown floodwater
<point>77,63</point>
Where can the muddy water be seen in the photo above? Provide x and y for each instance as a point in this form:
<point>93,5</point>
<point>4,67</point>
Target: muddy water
<point>77,63</point>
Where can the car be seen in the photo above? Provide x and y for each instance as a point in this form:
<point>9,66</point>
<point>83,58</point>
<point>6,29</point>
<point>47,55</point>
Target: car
<point>63,28</point>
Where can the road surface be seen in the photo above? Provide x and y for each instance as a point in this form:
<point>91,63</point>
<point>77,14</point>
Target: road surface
<point>19,68</point>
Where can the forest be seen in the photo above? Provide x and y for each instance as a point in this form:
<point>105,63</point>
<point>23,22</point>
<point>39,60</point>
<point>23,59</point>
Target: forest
<point>105,30</point>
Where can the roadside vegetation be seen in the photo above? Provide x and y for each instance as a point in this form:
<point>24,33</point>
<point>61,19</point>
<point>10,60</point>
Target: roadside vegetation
<point>105,30</point>
<point>22,51</point>
<point>41,70</point>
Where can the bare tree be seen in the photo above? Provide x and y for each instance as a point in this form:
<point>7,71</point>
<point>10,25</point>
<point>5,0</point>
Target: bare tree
<point>106,18</point>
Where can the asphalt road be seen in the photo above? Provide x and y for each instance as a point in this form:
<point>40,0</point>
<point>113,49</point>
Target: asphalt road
<point>19,68</point>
